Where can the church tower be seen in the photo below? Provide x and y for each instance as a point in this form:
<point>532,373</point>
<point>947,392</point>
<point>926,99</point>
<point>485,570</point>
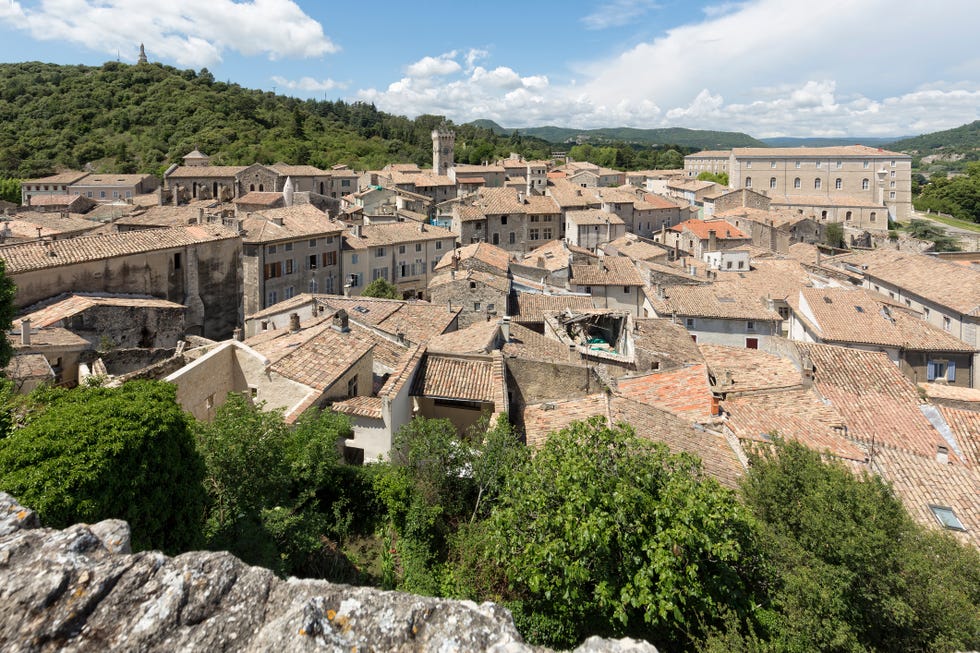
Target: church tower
<point>142,58</point>
<point>443,143</point>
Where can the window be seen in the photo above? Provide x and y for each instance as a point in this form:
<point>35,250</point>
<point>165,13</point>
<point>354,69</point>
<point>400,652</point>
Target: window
<point>772,182</point>
<point>546,233</point>
<point>271,249</point>
<point>741,264</point>
<point>177,260</point>
<point>750,326</point>
<point>438,244</point>
<point>490,307</point>
<point>891,194</point>
<point>838,183</point>
<point>352,387</point>
<point>313,286</point>
<point>873,217</point>
<point>751,343</point>
<point>345,183</point>
<point>946,323</point>
<point>379,273</point>
<point>867,164</point>
<point>273,298</point>
<point>925,311</point>
<point>817,183</point>
<point>893,164</point>
<point>819,164</point>
<point>839,165</point>
<point>941,369</point>
<point>401,249</point>
<point>797,183</point>
<point>311,262</point>
<point>626,290</point>
<point>329,258</point>
<point>865,184</point>
<point>772,164</point>
<point>353,259</point>
<point>273,270</point>
<point>689,323</point>
<point>503,219</point>
<point>728,265</point>
<point>418,247</point>
<point>847,216</point>
<point>797,164</point>
<point>379,252</point>
<point>288,247</point>
<point>496,239</point>
<point>891,184</point>
<point>327,285</point>
<point>512,238</point>
<point>289,267</point>
<point>354,279</point>
<point>748,164</point>
<point>476,306</point>
<point>312,243</point>
<point>102,192</point>
<point>947,518</point>
<point>290,292</point>
<point>535,218</point>
<point>893,174</point>
<point>748,182</point>
<point>532,234</point>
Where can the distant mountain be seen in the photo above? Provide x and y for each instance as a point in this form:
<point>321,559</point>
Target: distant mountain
<point>692,138</point>
<point>786,141</point>
<point>964,138</point>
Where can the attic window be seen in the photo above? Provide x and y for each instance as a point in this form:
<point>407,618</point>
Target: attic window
<point>947,518</point>
<point>859,309</point>
<point>360,309</point>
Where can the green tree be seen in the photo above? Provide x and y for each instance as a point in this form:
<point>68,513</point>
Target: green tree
<point>10,190</point>
<point>95,453</point>
<point>833,235</point>
<point>610,534</point>
<point>7,293</point>
<point>718,178</point>
<point>381,288</point>
<point>926,230</point>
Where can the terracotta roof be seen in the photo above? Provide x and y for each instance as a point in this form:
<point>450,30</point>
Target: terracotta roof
<point>553,255</point>
<point>298,221</point>
<point>112,180</point>
<point>749,370</point>
<point>593,217</point>
<point>393,233</point>
<point>921,481</point>
<point>541,205</point>
<point>862,151</point>
<point>499,201</point>
<point>432,181</point>
<point>191,172</point>
<point>683,392</point>
<point>541,420</point>
<point>52,224</point>
<point>531,345</point>
<point>490,254</point>
<point>496,281</point>
<point>728,302</point>
<point>659,201</point>
<point>531,307</point>
<point>877,401</point>
<point>718,459</point>
<point>610,271</point>
<point>298,171</point>
<point>263,198</point>
<point>952,393</point>
<point>67,177</point>
<point>633,248</point>
<point>795,415</point>
<point>845,201</point>
<point>666,342</point>
<point>456,377</point>
<point>419,321</point>
<point>935,279</point>
<point>569,195</point>
<point>479,337</point>
<point>359,407</point>
<point>690,184</point>
<point>168,216</point>
<point>965,426</point>
<point>74,304</point>
<point>50,337</point>
<point>700,228</point>
<point>710,154</point>
<point>316,357</point>
<point>35,256</point>
<point>28,366</point>
<point>56,200</point>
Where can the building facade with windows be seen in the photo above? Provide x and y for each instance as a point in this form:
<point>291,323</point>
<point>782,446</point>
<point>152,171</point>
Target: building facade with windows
<point>402,253</point>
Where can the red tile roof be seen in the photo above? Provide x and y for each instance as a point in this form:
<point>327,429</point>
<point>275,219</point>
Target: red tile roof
<point>683,392</point>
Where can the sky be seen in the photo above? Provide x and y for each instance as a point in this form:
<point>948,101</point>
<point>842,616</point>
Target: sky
<point>804,68</point>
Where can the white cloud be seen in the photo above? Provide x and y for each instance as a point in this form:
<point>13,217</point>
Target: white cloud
<point>766,67</point>
<point>474,55</point>
<point>308,84</point>
<point>187,32</point>
<point>444,64</point>
<point>617,13</point>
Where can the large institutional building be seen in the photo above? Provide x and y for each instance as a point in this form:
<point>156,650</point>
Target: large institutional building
<point>834,181</point>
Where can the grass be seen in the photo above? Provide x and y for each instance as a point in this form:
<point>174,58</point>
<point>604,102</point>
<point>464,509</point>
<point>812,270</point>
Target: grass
<point>952,222</point>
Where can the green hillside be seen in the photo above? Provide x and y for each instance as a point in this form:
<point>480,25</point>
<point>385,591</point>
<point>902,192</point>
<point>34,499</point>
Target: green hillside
<point>142,118</point>
<point>694,139</point>
<point>963,138</point>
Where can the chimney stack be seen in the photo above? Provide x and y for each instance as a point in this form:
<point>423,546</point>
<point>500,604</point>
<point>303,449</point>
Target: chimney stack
<point>237,334</point>
<point>25,331</point>
<point>712,240</point>
<point>293,322</point>
<point>505,329</point>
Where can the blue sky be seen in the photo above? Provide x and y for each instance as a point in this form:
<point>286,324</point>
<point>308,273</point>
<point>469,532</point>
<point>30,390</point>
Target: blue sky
<point>766,67</point>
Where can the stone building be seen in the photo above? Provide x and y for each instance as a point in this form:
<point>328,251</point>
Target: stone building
<point>402,253</point>
<point>52,185</point>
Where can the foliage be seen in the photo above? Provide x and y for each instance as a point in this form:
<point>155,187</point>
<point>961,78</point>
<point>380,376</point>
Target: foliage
<point>717,177</point>
<point>696,139</point>
<point>97,453</point>
<point>606,533</point>
<point>959,196</point>
<point>850,571</point>
<point>7,293</point>
<point>381,288</point>
<point>834,234</point>
<point>277,494</point>
<point>10,190</point>
<point>926,230</point>
<point>963,138</point>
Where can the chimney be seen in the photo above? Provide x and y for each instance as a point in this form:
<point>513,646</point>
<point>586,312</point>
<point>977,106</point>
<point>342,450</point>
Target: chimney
<point>293,322</point>
<point>313,310</point>
<point>25,331</point>
<point>942,455</point>
<point>571,353</point>
<point>401,337</point>
<point>357,230</point>
<point>712,240</point>
<point>505,329</point>
<point>237,334</point>
<point>200,215</point>
<point>450,305</point>
<point>265,325</point>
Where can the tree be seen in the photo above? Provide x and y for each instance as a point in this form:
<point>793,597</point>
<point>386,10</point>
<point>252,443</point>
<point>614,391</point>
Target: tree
<point>849,569</point>
<point>96,453</point>
<point>926,230</point>
<point>834,235</point>
<point>718,178</point>
<point>10,190</point>
<point>606,533</point>
<point>381,288</point>
<point>7,293</point>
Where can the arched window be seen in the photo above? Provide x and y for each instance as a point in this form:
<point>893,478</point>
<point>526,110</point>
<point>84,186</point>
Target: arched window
<point>772,182</point>
<point>838,183</point>
<point>321,188</point>
<point>847,216</point>
<point>865,184</point>
<point>816,183</point>
<point>748,182</point>
<point>797,183</point>
<point>261,188</point>
<point>251,187</point>
<point>873,216</point>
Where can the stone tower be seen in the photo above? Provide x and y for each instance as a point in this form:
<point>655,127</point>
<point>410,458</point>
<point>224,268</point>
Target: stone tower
<point>142,58</point>
<point>443,143</point>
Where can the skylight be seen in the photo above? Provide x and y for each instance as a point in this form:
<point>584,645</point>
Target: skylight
<point>947,518</point>
<point>360,309</point>
<point>859,309</point>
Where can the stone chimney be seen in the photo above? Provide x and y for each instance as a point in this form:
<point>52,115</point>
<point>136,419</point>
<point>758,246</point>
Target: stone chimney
<point>505,329</point>
<point>341,322</point>
<point>293,322</point>
<point>25,331</point>
<point>237,334</point>
<point>712,240</point>
<point>942,455</point>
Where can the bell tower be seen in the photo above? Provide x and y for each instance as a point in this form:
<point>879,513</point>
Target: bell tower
<point>443,144</point>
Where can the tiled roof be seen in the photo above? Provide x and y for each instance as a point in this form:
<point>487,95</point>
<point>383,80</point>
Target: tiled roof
<point>192,172</point>
<point>659,202</point>
<point>951,393</point>
<point>531,345</point>
<point>531,307</point>
<point>700,228</point>
<point>51,337</point>
<point>540,205</point>
<point>255,197</point>
<point>495,281</point>
<point>690,184</point>
<point>609,271</point>
<point>112,180</point>
<point>937,280</point>
<point>298,221</point>
<point>28,366</point>
<point>810,152</point>
<point>298,171</point>
<point>795,415</point>
<point>749,370</point>
<point>56,200</point>
<point>490,254</point>
<point>724,301</point>
<point>540,420</point>
<point>921,481</point>
<point>479,337</point>
<point>551,256</point>
<point>569,195</point>
<point>316,357</point>
<point>499,201</point>
<point>718,459</point>
<point>393,233</point>
<point>710,154</point>
<point>633,248</point>
<point>74,304</point>
<point>878,402</point>
<point>67,177</point>
<point>419,321</point>
<point>52,224</point>
<point>844,201</point>
<point>359,407</point>
<point>965,426</point>
<point>476,169</point>
<point>432,181</point>
<point>683,392</point>
<point>668,343</point>
<point>593,217</point>
<point>468,213</point>
<point>457,377</point>
<point>167,216</point>
<point>35,256</point>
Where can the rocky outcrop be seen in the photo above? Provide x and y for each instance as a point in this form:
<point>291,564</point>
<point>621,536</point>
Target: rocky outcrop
<point>81,589</point>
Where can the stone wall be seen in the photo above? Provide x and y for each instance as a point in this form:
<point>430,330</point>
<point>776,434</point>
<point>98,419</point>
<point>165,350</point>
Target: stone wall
<point>82,589</point>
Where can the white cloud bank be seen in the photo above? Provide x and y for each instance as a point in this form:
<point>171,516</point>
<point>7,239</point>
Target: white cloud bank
<point>191,33</point>
<point>766,67</point>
